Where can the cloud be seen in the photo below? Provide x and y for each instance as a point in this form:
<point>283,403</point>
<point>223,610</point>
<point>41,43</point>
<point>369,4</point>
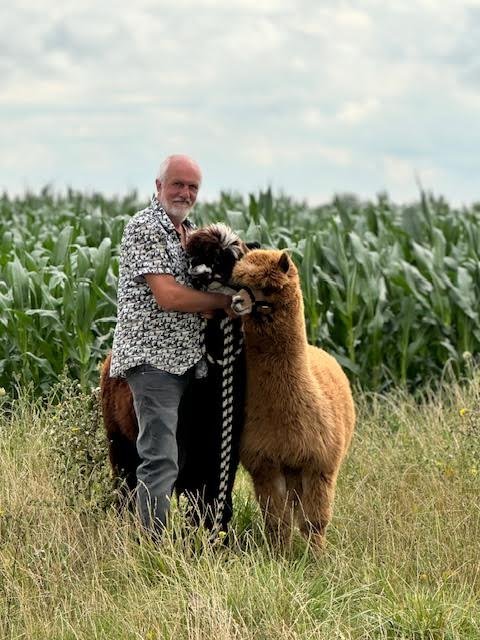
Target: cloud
<point>400,173</point>
<point>316,97</point>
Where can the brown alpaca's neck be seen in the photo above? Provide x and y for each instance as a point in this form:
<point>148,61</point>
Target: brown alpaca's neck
<point>285,339</point>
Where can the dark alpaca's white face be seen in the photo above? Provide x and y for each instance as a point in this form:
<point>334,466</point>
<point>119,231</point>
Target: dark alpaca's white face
<point>213,253</point>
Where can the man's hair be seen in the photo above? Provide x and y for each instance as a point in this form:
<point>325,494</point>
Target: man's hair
<point>163,169</point>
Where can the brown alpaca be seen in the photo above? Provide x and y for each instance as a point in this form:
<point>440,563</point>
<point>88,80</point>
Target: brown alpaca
<point>300,414</point>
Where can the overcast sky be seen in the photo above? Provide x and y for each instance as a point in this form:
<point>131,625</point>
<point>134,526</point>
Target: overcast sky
<point>310,97</point>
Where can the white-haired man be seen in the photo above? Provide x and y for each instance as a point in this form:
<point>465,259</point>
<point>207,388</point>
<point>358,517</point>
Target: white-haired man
<point>158,337</point>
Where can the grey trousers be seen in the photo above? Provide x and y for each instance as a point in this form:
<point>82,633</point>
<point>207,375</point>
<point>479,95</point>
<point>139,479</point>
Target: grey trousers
<point>156,398</point>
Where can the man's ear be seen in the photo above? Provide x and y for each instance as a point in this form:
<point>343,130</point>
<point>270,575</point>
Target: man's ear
<point>252,245</point>
<point>158,184</point>
<point>284,262</point>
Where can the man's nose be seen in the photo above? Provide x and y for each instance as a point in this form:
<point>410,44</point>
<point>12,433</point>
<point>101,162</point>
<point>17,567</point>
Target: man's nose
<point>185,191</point>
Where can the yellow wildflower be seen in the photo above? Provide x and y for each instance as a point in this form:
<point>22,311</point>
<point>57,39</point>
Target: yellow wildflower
<point>449,471</point>
<point>463,411</point>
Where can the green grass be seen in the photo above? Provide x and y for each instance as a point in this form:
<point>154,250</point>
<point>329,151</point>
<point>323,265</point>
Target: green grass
<point>402,558</point>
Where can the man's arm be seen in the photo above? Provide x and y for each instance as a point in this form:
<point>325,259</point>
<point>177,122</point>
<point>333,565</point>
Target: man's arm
<point>172,296</point>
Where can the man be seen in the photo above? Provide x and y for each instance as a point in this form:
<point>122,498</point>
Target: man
<point>158,337</point>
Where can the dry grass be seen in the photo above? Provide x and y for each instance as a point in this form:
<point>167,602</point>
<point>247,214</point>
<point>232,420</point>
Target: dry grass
<point>402,559</point>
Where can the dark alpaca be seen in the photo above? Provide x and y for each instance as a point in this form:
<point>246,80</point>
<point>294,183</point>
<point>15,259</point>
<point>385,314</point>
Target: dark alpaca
<point>206,470</point>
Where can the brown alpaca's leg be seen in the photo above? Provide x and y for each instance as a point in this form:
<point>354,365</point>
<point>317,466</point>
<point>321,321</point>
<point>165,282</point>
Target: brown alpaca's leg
<point>277,504</point>
<point>124,460</point>
<point>315,510</point>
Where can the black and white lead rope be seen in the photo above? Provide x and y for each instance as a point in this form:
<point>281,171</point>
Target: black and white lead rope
<point>229,356</point>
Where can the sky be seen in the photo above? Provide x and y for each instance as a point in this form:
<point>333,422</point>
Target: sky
<point>308,97</point>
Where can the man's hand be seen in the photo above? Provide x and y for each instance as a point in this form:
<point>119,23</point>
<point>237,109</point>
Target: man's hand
<point>231,313</point>
<point>242,303</point>
<point>228,308</point>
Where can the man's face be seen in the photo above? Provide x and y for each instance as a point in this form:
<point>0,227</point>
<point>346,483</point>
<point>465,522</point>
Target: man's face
<point>178,191</point>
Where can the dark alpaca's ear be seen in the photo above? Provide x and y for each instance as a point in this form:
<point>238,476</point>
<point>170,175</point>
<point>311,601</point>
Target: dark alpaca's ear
<point>252,245</point>
<point>284,262</point>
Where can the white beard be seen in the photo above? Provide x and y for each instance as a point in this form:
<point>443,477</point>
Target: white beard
<point>177,212</point>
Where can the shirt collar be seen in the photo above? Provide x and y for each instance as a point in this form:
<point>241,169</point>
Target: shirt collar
<point>156,207</point>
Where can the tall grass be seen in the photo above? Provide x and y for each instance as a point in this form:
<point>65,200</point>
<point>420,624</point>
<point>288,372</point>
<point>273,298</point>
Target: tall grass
<point>401,559</point>
<point>392,291</point>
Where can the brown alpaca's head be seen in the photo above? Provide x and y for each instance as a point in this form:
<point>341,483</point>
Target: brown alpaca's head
<point>271,278</point>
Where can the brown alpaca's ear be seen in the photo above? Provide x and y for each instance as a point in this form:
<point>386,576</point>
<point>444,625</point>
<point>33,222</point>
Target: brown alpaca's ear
<point>284,262</point>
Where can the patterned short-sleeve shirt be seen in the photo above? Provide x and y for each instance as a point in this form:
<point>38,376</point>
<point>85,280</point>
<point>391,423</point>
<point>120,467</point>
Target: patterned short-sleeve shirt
<point>146,333</point>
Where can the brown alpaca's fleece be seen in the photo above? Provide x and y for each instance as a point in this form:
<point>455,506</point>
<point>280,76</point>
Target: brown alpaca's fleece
<point>121,426</point>
<point>300,414</point>
<point>118,403</point>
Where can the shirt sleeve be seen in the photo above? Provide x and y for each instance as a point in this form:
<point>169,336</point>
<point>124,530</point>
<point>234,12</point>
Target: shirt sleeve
<point>144,249</point>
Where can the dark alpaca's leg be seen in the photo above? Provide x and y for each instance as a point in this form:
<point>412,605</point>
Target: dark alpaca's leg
<point>221,448</point>
<point>190,430</point>
<point>194,450</point>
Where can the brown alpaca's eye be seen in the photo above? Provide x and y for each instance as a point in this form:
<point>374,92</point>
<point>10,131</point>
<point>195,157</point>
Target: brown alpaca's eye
<point>268,291</point>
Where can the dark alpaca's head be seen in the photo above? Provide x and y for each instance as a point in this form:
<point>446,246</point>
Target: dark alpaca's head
<point>213,252</point>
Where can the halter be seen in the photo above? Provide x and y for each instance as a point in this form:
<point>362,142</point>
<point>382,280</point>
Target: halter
<point>206,275</point>
<point>251,301</point>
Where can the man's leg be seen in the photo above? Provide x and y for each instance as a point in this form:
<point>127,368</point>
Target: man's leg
<point>156,397</point>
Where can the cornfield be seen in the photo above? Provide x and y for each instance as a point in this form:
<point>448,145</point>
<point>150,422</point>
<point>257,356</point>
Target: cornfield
<point>392,291</point>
